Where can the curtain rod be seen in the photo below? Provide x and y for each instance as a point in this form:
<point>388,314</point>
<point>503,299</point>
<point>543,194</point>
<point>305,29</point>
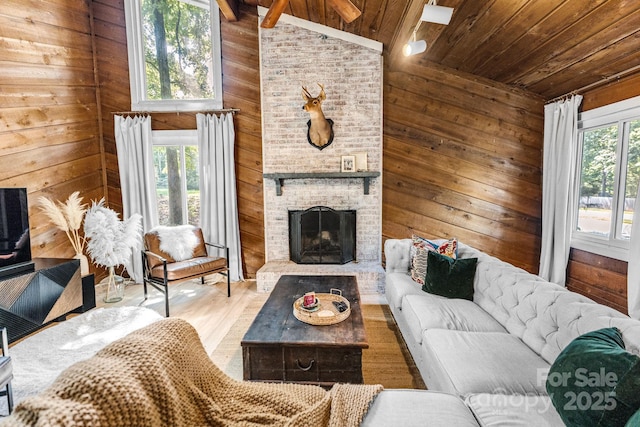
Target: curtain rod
<point>133,113</point>
<point>598,83</point>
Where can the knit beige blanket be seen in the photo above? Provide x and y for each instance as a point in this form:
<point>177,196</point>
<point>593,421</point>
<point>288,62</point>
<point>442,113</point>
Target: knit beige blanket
<point>160,375</point>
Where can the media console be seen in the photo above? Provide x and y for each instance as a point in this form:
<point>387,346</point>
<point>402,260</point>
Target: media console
<point>32,299</point>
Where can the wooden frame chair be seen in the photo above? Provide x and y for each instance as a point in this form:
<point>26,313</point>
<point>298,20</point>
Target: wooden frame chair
<point>6,371</point>
<point>160,269</point>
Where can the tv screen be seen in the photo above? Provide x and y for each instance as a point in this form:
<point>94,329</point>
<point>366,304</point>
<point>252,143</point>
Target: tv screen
<point>15,242</point>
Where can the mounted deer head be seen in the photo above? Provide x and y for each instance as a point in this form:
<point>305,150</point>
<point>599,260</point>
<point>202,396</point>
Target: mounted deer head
<point>320,133</point>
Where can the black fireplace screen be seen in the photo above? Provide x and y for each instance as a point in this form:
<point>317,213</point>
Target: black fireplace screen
<point>321,235</point>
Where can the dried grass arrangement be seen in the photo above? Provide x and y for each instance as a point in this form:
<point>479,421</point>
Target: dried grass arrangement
<point>111,242</point>
<point>67,217</point>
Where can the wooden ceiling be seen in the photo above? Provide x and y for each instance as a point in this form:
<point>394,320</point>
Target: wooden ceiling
<point>548,47</point>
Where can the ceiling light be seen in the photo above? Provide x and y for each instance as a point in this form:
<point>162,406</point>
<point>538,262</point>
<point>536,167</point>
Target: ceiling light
<point>430,13</point>
<point>414,47</point>
<point>436,14</point>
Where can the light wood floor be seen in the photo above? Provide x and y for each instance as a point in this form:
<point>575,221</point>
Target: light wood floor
<point>206,307</point>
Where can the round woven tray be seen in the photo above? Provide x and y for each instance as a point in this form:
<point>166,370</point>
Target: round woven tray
<point>326,312</point>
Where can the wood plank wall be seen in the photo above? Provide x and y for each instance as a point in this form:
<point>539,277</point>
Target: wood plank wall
<point>462,158</point>
<point>241,89</point>
<point>601,278</point>
<point>461,154</point>
<point>49,137</point>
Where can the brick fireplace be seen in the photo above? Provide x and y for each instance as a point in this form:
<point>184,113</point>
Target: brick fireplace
<point>298,176</point>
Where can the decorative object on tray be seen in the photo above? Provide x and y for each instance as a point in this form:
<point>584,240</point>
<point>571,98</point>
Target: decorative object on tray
<point>309,301</point>
<point>68,218</point>
<point>329,309</point>
<point>110,242</point>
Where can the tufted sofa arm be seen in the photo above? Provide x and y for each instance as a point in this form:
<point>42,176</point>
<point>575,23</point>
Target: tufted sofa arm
<point>397,253</point>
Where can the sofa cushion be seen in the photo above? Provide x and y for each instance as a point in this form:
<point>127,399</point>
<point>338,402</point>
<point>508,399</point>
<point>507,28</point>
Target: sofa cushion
<point>513,410</point>
<point>427,311</point>
<point>420,249</point>
<point>397,286</point>
<point>595,381</point>
<point>408,408</point>
<point>397,256</point>
<point>545,316</point>
<point>463,363</point>
<point>448,277</point>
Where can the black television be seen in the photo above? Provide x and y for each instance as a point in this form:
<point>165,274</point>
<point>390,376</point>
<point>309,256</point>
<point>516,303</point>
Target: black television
<point>15,241</point>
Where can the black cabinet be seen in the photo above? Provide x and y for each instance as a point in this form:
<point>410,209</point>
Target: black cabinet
<point>34,298</point>
<point>88,294</point>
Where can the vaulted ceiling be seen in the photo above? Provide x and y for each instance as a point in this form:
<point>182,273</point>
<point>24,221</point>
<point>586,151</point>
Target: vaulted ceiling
<point>548,47</point>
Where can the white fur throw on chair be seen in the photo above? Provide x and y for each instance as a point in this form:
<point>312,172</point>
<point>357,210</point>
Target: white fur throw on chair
<point>178,241</point>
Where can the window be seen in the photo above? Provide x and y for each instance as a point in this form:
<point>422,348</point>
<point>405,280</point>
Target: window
<point>174,55</point>
<point>175,161</point>
<point>608,177</point>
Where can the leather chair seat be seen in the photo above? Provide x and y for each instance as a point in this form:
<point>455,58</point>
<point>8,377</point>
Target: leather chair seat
<point>194,267</point>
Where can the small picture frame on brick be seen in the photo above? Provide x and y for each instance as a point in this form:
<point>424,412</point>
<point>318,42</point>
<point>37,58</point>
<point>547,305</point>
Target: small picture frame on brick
<point>361,161</point>
<point>348,164</point>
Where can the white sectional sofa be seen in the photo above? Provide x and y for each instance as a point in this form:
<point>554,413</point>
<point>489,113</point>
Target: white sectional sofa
<point>494,352</point>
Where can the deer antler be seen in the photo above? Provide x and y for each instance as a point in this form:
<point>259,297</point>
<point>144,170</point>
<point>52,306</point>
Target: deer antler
<point>322,96</point>
<point>305,94</point>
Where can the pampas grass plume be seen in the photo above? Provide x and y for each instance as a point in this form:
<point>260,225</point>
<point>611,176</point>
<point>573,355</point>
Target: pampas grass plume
<point>55,214</point>
<point>110,241</point>
<point>67,217</point>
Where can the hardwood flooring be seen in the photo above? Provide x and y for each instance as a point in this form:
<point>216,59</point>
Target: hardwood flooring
<point>221,322</point>
<point>206,307</point>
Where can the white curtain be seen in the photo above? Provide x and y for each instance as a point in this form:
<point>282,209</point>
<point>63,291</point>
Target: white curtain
<point>633,269</point>
<point>137,178</point>
<point>558,180</point>
<point>218,199</point>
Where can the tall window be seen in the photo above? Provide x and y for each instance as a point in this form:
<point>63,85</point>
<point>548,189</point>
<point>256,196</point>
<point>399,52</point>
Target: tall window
<point>609,173</point>
<point>175,159</point>
<point>174,55</point>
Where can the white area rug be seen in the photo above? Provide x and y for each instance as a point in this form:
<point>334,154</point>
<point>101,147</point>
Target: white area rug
<point>39,359</point>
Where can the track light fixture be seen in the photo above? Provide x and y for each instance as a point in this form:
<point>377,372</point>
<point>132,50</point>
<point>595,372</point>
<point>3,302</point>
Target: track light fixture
<point>414,47</point>
<point>430,13</point>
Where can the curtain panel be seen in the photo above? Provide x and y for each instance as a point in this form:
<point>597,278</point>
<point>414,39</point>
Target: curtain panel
<point>218,197</point>
<point>558,181</point>
<point>633,266</point>
<point>137,179</point>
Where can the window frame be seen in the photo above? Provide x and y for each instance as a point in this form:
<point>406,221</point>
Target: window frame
<point>137,77</point>
<point>620,114</point>
<point>178,138</point>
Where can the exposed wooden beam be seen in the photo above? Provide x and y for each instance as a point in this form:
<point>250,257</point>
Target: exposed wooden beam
<point>229,9</point>
<point>273,14</point>
<point>347,10</point>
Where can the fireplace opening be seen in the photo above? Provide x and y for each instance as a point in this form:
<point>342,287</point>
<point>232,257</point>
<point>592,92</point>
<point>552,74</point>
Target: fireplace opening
<point>321,235</point>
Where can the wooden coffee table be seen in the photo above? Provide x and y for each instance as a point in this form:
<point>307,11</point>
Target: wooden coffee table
<point>279,347</point>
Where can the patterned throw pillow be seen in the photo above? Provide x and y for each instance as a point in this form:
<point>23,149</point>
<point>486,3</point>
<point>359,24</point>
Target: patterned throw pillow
<point>419,251</point>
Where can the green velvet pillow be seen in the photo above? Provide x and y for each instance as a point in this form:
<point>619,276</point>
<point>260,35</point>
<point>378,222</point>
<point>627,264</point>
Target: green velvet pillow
<point>448,277</point>
<point>634,421</point>
<point>595,381</point>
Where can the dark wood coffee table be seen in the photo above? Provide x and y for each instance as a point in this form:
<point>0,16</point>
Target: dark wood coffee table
<point>279,347</point>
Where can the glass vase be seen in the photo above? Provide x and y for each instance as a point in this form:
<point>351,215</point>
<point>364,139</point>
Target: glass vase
<point>115,287</point>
